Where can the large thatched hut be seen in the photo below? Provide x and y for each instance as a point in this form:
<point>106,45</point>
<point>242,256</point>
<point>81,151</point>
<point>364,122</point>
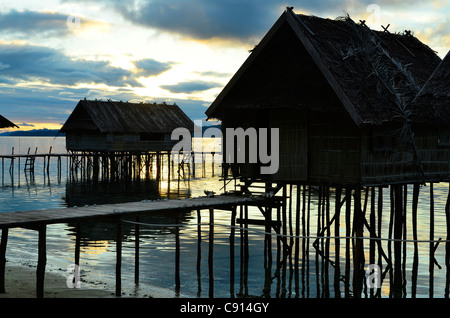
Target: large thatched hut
<point>343,98</point>
<point>110,126</point>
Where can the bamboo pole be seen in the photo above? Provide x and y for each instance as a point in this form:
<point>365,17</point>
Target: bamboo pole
<point>431,259</point>
<point>42,259</point>
<point>136,250</point>
<point>118,257</point>
<point>211,253</point>
<point>3,244</point>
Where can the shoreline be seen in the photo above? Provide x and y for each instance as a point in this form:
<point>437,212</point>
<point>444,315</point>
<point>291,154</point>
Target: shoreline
<point>20,282</point>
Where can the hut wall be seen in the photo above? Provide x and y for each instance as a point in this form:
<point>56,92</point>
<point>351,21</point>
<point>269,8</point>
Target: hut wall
<point>86,141</point>
<point>293,145</point>
<point>334,149</point>
<point>118,142</point>
<point>386,159</point>
<point>434,155</point>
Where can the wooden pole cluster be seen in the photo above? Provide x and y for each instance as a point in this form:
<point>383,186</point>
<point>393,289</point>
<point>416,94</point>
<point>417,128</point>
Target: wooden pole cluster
<point>345,238</point>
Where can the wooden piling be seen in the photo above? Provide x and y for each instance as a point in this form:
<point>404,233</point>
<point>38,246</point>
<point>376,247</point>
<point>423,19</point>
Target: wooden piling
<point>177,257</point>
<point>431,245</point>
<point>199,250</point>
<point>398,219</point>
<point>42,260</point>
<point>3,244</point>
<point>118,257</point>
<point>211,253</point>
<point>358,258</point>
<point>337,269</point>
<point>232,238</point>
<point>415,201</point>
<point>136,250</point>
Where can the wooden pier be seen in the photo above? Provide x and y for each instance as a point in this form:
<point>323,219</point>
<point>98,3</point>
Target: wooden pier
<point>112,166</point>
<point>111,213</point>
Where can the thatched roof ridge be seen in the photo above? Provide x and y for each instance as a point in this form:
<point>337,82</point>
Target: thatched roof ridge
<point>5,123</point>
<point>123,117</point>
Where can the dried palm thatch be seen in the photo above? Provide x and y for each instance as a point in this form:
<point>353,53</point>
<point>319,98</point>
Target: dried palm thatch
<point>380,72</point>
<point>123,117</point>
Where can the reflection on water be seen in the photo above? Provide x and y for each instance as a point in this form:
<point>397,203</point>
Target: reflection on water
<point>245,260</point>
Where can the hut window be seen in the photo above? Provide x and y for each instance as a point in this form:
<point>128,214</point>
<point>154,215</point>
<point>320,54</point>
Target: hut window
<point>152,137</point>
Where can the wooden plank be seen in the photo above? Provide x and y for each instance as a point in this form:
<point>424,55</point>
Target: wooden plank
<point>65,215</point>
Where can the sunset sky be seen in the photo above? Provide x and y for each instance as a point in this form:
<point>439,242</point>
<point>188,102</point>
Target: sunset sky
<point>55,52</point>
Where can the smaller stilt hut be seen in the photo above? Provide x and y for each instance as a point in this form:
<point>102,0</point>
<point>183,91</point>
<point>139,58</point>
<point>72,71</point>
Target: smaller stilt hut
<point>122,137</point>
<point>109,126</point>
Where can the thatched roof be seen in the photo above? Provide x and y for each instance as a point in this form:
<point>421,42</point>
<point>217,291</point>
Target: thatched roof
<point>375,75</point>
<point>124,117</point>
<point>5,123</point>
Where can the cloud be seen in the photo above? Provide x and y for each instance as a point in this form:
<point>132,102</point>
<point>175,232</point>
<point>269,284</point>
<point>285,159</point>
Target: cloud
<point>190,87</point>
<point>22,63</point>
<point>25,125</point>
<point>151,67</point>
<point>30,22</point>
<point>239,20</point>
<point>23,24</point>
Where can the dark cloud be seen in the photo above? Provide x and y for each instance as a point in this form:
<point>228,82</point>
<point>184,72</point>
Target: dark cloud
<point>23,24</point>
<point>29,62</point>
<point>151,67</point>
<point>242,20</point>
<point>190,87</point>
<point>204,19</point>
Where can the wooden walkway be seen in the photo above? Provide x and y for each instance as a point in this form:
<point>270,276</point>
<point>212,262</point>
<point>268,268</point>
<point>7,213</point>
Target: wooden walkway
<point>29,219</point>
<point>39,219</point>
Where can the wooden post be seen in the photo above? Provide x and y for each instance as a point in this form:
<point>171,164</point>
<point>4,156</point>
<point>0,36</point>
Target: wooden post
<point>447,247</point>
<point>297,234</point>
<point>199,249</point>
<point>431,260</point>
<point>232,237</point>
<point>337,270</point>
<point>177,257</point>
<point>118,257</point>
<point>414,229</point>
<point>210,254</point>
<point>77,243</point>
<point>398,217</point>
<point>42,259</point>
<point>3,259</point>
<point>136,251</point>
<point>358,270</point>
<point>348,206</point>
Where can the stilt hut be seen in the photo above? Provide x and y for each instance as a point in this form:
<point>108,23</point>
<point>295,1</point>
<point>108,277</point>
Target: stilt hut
<point>5,123</point>
<point>109,126</point>
<point>341,95</point>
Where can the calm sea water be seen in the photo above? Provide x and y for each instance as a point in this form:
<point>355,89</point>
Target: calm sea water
<point>262,275</point>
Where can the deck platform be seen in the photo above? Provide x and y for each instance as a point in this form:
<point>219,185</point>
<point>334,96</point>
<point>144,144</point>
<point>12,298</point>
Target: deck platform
<point>76,214</point>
